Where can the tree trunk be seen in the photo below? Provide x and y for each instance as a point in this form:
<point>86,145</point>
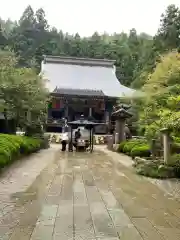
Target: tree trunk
<point>6,121</point>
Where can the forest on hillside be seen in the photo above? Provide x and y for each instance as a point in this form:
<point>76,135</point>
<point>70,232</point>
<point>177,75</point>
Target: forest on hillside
<point>136,55</point>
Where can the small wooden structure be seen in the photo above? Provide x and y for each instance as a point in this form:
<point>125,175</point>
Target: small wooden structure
<point>83,123</point>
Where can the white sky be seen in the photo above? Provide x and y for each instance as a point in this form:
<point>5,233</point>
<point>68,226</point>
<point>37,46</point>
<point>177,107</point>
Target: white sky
<point>88,16</point>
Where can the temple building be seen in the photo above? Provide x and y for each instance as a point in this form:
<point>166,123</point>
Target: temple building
<point>81,86</point>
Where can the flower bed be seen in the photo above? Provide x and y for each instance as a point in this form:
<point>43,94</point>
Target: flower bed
<point>13,146</point>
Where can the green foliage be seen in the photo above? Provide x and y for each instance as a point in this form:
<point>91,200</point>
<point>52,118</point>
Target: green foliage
<point>161,106</point>
<point>158,169</point>
<point>23,94</point>
<point>121,146</point>
<point>174,162</point>
<point>12,146</point>
<point>155,169</point>
<point>175,147</point>
<point>169,30</point>
<point>129,146</point>
<point>140,151</point>
<point>135,147</point>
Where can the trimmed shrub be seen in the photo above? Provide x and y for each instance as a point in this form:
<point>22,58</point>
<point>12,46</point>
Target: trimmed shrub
<point>127,146</point>
<point>175,147</point>
<point>45,142</point>
<point>121,146</point>
<point>130,145</point>
<point>142,150</point>
<point>12,146</point>
<point>175,163</point>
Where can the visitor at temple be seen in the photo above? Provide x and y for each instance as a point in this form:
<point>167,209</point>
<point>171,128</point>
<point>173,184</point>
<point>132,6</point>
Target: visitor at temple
<point>64,141</point>
<point>77,134</point>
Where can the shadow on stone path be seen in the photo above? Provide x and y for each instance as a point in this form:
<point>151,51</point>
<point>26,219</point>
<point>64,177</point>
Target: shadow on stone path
<point>82,196</point>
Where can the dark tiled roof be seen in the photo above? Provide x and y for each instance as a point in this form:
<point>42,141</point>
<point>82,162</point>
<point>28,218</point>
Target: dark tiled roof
<point>79,92</point>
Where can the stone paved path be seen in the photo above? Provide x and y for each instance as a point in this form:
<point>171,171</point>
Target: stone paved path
<point>81,196</point>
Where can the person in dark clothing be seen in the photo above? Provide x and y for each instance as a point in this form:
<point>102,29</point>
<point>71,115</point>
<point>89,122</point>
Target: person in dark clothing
<point>77,134</point>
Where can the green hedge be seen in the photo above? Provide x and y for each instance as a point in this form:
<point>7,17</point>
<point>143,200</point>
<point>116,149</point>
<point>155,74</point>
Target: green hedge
<point>12,147</point>
<point>141,151</point>
<point>135,147</point>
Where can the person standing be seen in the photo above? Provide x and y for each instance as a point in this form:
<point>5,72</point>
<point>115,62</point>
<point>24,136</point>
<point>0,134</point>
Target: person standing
<point>64,141</point>
<point>77,136</point>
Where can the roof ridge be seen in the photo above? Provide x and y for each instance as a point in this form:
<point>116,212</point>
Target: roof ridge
<point>78,58</point>
<point>79,89</point>
<point>79,61</point>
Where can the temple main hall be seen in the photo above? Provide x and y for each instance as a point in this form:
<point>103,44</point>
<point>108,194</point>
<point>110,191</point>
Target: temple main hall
<point>81,86</point>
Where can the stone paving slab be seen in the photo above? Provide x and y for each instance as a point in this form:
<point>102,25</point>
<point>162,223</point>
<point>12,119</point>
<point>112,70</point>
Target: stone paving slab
<point>81,196</point>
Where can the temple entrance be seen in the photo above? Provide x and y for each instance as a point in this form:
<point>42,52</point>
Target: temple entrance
<point>98,115</point>
<point>75,113</point>
<point>57,114</point>
<point>71,107</point>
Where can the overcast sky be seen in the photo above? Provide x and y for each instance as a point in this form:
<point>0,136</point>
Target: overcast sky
<point>88,16</point>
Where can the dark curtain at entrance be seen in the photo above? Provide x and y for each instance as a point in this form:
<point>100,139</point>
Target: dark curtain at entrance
<point>57,114</point>
<point>76,112</point>
<point>98,115</point>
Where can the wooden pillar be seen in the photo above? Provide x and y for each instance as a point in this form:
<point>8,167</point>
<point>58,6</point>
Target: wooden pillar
<point>90,112</point>
<point>106,116</point>
<point>66,111</point>
<point>107,121</point>
<point>49,112</point>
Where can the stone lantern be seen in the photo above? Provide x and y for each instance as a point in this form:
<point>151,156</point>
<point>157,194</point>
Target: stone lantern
<point>166,144</point>
<point>120,116</point>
